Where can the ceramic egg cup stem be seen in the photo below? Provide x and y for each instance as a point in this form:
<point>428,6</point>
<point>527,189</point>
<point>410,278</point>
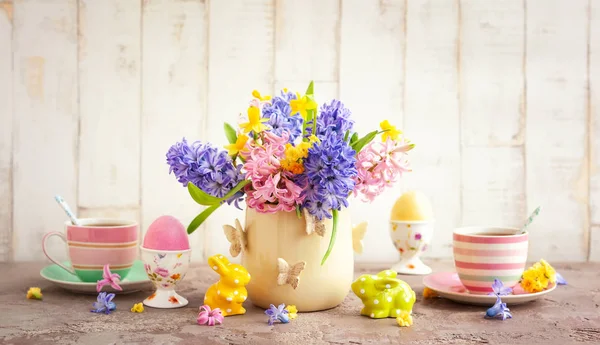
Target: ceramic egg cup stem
<point>165,268</point>
<point>411,239</point>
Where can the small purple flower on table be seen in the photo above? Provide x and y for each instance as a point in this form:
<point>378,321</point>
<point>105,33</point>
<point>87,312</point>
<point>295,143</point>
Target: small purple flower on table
<point>209,317</point>
<point>498,311</point>
<point>109,278</point>
<point>104,304</point>
<point>277,313</point>
<point>560,280</point>
<point>500,289</point>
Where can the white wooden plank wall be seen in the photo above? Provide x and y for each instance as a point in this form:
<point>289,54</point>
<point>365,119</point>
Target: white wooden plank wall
<point>502,99</point>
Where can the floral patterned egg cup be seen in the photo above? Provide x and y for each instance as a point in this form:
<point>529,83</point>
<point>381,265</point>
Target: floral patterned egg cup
<point>166,268</point>
<point>411,239</point>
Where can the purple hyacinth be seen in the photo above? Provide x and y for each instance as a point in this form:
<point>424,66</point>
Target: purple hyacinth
<point>207,167</point>
<point>277,314</point>
<point>498,311</point>
<point>279,113</point>
<point>334,118</point>
<point>329,172</point>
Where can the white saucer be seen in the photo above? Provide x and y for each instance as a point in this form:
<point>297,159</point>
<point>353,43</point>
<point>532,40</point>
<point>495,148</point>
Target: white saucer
<point>447,285</point>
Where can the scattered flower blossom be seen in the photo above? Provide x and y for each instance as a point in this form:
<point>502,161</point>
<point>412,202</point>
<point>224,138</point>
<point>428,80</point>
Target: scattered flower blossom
<point>500,289</point>
<point>429,293</point>
<point>538,277</point>
<point>560,280</point>
<point>137,308</point>
<point>498,311</point>
<point>104,304</point>
<point>277,314</point>
<point>109,278</point>
<point>292,311</point>
<point>209,317</point>
<point>34,293</point>
<point>404,319</point>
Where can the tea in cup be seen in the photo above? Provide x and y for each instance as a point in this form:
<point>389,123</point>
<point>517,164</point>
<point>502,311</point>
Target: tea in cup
<point>95,243</point>
<point>482,254</point>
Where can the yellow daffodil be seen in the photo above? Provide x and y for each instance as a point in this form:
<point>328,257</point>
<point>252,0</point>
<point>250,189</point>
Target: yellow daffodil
<point>313,139</point>
<point>255,123</point>
<point>404,319</point>
<point>238,146</point>
<point>261,98</point>
<point>428,293</point>
<point>137,308</point>
<point>34,293</point>
<point>390,131</point>
<point>302,104</point>
<point>292,311</point>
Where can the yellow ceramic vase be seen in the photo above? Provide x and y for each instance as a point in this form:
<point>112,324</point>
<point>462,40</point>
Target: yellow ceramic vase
<point>279,240</point>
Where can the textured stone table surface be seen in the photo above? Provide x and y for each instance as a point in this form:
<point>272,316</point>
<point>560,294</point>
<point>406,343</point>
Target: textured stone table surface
<point>568,315</point>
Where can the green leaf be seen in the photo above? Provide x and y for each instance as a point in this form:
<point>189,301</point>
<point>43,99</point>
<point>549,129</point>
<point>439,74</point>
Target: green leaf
<point>201,218</point>
<point>201,197</point>
<point>235,190</point>
<point>298,213</point>
<point>310,88</point>
<point>354,138</point>
<point>230,133</point>
<point>346,135</point>
<point>333,234</point>
<point>358,145</point>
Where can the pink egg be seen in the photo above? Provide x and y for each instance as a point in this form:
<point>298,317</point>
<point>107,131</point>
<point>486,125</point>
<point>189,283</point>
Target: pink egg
<point>166,233</point>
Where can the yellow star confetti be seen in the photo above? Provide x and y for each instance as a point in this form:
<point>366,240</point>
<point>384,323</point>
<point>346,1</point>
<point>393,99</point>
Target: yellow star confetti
<point>404,319</point>
<point>292,311</point>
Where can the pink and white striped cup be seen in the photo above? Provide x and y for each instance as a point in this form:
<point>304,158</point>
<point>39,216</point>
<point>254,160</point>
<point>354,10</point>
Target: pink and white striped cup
<point>482,254</point>
<point>95,243</point>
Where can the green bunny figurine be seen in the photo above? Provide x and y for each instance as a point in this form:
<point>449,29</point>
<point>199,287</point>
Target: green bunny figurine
<point>384,296</point>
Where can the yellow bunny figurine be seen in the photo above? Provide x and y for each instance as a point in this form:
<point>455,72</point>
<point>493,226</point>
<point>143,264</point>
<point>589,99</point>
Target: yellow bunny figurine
<point>229,292</point>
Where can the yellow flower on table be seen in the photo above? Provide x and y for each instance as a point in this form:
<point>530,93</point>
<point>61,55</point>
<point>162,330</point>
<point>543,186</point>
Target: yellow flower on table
<point>255,123</point>
<point>292,311</point>
<point>137,308</point>
<point>34,293</point>
<point>302,104</point>
<point>390,131</point>
<point>238,146</point>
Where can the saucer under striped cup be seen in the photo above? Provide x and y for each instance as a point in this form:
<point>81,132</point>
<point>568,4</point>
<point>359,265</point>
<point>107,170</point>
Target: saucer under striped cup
<point>482,254</point>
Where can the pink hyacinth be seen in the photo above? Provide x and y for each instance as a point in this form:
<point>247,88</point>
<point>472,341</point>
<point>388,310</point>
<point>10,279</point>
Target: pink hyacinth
<point>379,165</point>
<point>272,189</point>
<point>209,317</point>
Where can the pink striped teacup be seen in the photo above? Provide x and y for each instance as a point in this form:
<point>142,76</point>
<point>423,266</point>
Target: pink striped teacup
<point>95,243</point>
<point>482,254</point>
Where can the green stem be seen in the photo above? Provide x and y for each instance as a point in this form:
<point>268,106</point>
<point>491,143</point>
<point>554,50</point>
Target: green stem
<point>333,234</point>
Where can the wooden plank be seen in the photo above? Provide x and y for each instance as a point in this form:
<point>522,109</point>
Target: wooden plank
<point>594,128</point>
<point>491,67</point>
<point>239,64</point>
<point>557,174</point>
<point>372,85</point>
<point>431,69</point>
<point>109,84</point>
<point>6,119</point>
<point>307,44</point>
<point>173,105</point>
<point>492,112</point>
<point>45,131</point>
<point>493,186</point>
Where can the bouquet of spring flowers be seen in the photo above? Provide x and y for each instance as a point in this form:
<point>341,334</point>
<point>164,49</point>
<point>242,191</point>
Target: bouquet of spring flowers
<point>290,155</point>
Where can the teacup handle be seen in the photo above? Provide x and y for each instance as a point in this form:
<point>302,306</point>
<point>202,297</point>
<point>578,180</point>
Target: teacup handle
<point>62,237</point>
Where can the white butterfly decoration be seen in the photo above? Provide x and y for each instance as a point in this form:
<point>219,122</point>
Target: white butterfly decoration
<point>237,237</point>
<point>313,224</point>
<point>358,234</point>
<point>289,274</point>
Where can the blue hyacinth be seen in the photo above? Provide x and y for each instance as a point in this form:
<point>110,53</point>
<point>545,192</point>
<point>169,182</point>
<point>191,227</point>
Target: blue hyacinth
<point>279,113</point>
<point>334,118</point>
<point>329,176</point>
<point>208,167</point>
